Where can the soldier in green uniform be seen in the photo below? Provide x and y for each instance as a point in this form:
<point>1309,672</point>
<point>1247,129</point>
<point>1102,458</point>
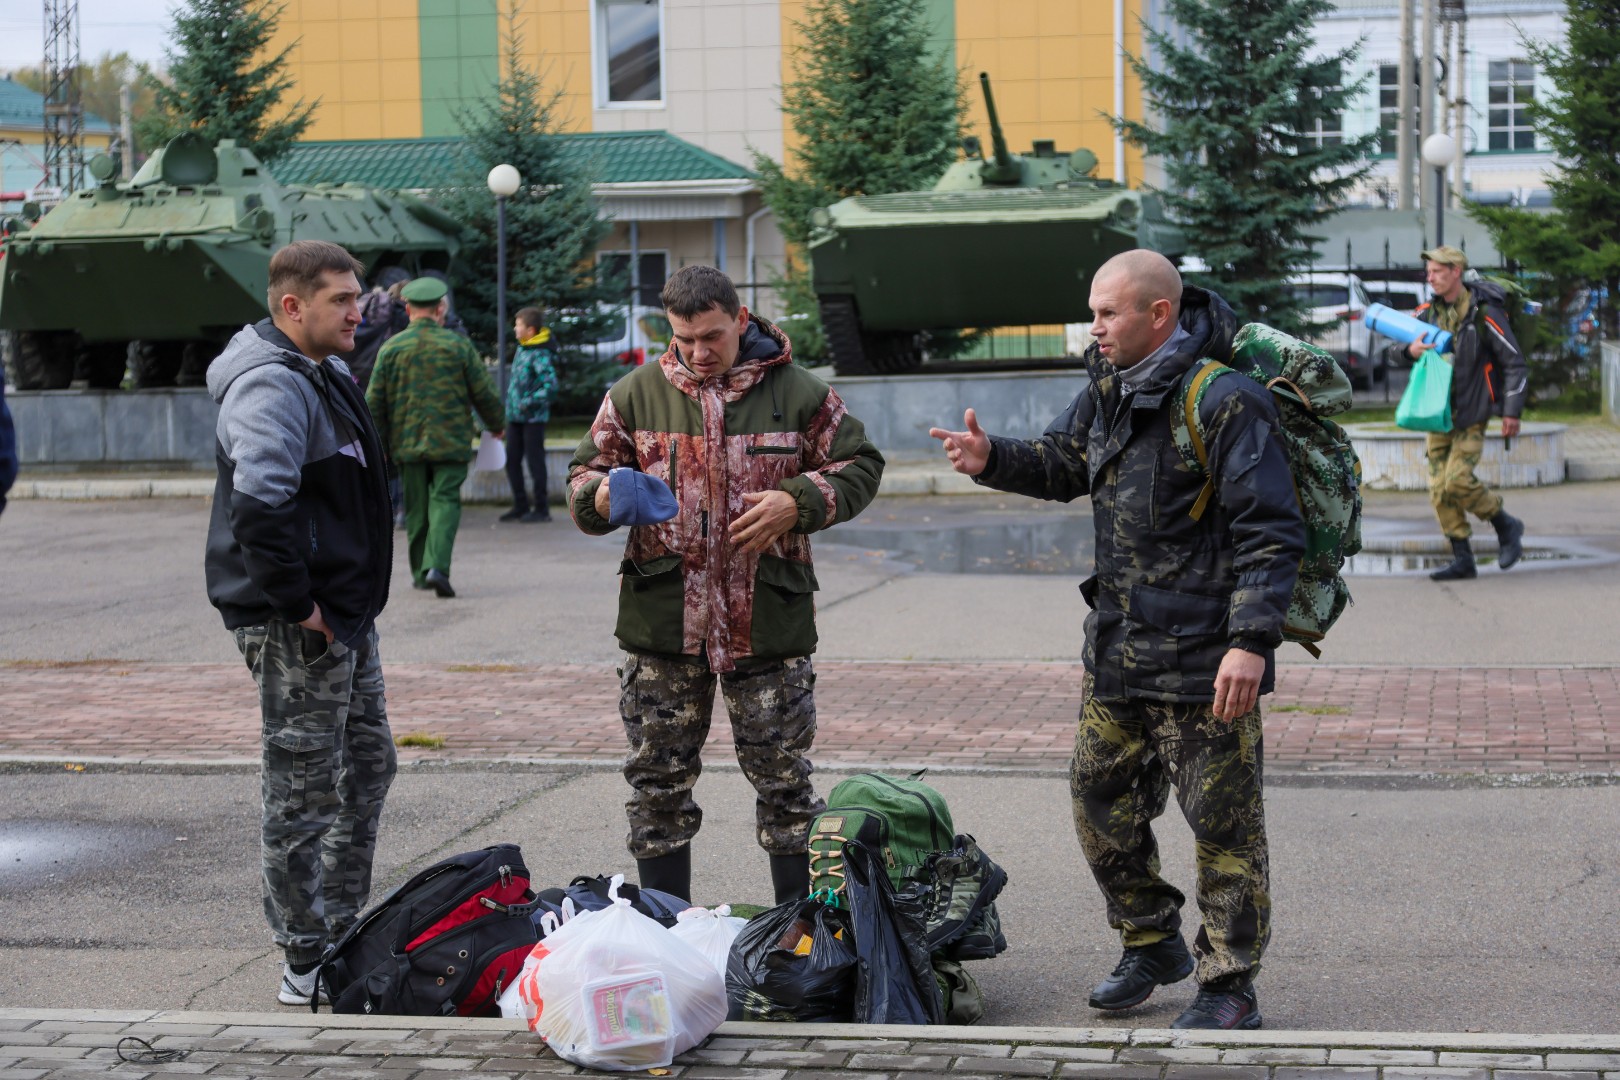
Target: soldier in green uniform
<point>427,382</point>
<point>1185,615</point>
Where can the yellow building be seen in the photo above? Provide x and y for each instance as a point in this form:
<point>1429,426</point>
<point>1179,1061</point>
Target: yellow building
<point>706,72</point>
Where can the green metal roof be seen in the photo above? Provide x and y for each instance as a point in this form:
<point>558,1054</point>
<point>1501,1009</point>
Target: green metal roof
<point>21,107</point>
<point>611,157</point>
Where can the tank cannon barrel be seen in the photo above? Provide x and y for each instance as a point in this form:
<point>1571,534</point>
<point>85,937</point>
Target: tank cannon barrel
<point>1002,169</point>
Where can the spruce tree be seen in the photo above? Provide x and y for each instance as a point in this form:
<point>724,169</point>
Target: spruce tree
<point>221,84</point>
<point>1579,241</point>
<point>874,113</point>
<point>552,224</point>
<point>1235,109</point>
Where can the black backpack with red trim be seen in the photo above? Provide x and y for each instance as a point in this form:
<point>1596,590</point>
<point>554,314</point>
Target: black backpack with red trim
<point>445,943</point>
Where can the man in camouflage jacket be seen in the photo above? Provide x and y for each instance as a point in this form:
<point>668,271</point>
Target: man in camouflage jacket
<point>427,382</point>
<point>759,454</point>
<point>1185,615</point>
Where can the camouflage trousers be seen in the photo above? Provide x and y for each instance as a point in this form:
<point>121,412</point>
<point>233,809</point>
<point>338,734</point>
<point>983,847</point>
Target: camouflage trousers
<point>666,703</point>
<point>1127,754</point>
<point>1453,488</point>
<point>432,514</point>
<point>328,762</point>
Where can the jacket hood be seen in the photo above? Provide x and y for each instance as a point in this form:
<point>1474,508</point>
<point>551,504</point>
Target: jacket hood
<point>763,346</point>
<point>1210,320</point>
<point>252,347</point>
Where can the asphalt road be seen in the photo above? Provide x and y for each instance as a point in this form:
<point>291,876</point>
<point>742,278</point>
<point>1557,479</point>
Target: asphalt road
<point>1410,910</point>
<point>123,580</point>
<point>1406,908</point>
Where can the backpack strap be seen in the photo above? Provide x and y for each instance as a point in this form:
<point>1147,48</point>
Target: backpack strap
<point>1194,437</point>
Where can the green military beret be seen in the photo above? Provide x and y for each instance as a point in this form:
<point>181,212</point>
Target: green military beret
<point>424,290</point>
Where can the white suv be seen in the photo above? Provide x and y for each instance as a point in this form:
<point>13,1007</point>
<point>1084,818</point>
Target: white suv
<point>1336,302</point>
<point>646,337</point>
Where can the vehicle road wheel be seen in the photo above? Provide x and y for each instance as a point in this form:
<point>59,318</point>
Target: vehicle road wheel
<point>893,353</point>
<point>102,364</point>
<point>44,360</point>
<point>157,363</point>
<point>842,327</point>
<point>194,360</point>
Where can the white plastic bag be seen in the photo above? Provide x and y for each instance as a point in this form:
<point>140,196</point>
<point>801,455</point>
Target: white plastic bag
<point>710,932</point>
<point>615,990</point>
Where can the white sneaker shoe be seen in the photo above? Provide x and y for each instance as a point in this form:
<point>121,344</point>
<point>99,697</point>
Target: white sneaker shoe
<point>298,989</point>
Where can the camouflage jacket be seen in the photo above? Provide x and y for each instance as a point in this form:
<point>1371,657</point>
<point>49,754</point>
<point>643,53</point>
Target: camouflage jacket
<point>1170,595</point>
<point>764,424</point>
<point>532,382</point>
<point>427,382</point>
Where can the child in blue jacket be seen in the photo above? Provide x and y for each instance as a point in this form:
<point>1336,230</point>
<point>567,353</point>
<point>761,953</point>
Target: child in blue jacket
<point>528,407</point>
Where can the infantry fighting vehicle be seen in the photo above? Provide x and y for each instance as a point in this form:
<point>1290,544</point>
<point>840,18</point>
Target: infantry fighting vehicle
<point>1005,240</point>
<point>177,259</point>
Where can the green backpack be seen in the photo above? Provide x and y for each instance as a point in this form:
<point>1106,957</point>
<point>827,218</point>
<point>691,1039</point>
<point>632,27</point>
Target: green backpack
<point>903,820</point>
<point>1307,386</point>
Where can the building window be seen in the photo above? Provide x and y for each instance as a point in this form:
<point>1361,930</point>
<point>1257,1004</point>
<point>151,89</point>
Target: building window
<point>1512,88</point>
<point>1389,106</point>
<point>630,47</point>
<point>1328,130</point>
<point>654,271</point>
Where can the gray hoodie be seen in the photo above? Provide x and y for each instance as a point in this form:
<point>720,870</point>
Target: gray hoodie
<point>300,510</point>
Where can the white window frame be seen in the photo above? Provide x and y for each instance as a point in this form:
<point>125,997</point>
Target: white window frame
<point>603,254</point>
<point>1516,109</point>
<point>600,82</point>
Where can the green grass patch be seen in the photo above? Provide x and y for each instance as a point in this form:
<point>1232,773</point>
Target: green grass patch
<point>418,741</point>
<point>568,429</point>
<point>1314,710</point>
<point>1385,414</point>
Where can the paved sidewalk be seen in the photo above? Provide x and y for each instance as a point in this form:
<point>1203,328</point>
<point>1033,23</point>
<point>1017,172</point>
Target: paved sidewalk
<point>46,1043</point>
<point>983,715</point>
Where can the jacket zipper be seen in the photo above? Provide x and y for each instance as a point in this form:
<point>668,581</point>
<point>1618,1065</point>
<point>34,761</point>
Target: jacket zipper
<point>753,451</point>
<point>934,828</point>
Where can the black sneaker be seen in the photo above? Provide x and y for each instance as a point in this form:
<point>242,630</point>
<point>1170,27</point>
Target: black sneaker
<point>1140,970</point>
<point>513,514</point>
<point>1221,1010</point>
<point>439,582</point>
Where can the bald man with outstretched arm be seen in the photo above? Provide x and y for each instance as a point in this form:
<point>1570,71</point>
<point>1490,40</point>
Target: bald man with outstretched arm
<point>1184,617</point>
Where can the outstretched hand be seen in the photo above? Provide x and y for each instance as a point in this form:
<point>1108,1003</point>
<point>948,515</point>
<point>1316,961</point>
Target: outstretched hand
<point>969,451</point>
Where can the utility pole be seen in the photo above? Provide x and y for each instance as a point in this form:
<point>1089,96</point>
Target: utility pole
<point>1403,123</point>
<point>1455,13</point>
<point>1426,102</point>
<point>64,111</point>
<point>126,133</point>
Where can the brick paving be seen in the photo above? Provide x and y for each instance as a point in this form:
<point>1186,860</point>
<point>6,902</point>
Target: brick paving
<point>998,715</point>
<point>39,1043</point>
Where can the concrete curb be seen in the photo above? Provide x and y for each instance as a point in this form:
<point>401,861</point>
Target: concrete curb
<point>40,1042</point>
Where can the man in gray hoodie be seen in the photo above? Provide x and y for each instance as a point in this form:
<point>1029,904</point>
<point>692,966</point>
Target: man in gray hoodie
<point>300,548</point>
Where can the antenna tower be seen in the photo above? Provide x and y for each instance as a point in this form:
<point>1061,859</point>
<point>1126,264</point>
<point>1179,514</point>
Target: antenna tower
<point>64,111</point>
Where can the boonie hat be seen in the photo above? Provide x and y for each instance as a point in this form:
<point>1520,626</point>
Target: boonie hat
<point>634,498</point>
<point>424,290</point>
<point>1448,255</point>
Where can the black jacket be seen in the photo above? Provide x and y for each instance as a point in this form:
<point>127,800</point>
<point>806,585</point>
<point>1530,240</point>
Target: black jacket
<point>1488,373</point>
<point>1171,595</point>
<point>301,512</point>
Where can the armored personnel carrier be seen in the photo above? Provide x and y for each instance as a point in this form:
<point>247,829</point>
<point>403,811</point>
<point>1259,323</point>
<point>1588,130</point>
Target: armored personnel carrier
<point>157,272</point>
<point>1004,240</point>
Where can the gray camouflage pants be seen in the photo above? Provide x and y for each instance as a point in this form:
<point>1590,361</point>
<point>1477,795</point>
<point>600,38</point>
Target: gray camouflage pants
<point>666,704</point>
<point>328,762</point>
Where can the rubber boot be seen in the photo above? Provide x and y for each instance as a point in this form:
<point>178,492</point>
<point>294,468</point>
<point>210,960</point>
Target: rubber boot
<point>1462,564</point>
<point>790,876</point>
<point>1509,539</point>
<point>670,873</point>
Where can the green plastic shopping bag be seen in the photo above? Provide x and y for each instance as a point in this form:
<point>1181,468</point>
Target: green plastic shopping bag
<point>1426,405</point>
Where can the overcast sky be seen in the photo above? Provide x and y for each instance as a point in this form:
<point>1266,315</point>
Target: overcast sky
<point>138,27</point>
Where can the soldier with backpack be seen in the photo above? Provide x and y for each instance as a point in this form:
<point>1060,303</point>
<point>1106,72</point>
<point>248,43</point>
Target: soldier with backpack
<point>1190,598</point>
<point>1488,377</point>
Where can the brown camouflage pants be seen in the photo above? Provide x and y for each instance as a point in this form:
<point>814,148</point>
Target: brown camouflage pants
<point>1127,754</point>
<point>1453,488</point>
<point>666,704</point>
<point>328,762</point>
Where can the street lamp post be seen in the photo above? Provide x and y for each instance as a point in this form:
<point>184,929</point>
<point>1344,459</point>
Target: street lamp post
<point>504,181</point>
<point>1439,150</point>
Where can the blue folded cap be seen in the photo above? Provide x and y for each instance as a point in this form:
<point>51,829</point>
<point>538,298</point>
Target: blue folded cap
<point>634,498</point>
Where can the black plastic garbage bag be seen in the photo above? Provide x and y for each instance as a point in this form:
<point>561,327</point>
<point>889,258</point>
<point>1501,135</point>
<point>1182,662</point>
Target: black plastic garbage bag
<point>895,984</point>
<point>767,982</point>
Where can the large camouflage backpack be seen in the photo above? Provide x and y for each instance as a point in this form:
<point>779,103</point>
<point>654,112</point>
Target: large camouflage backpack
<point>1308,386</point>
